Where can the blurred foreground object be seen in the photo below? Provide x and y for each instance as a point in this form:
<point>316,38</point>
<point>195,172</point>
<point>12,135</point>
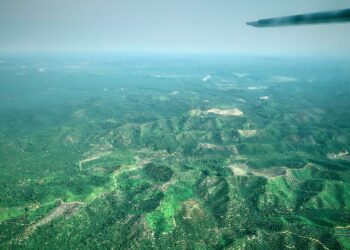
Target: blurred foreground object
<point>337,16</point>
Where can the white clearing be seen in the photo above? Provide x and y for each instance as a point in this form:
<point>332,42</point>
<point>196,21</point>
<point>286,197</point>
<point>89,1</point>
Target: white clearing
<point>264,97</point>
<point>239,169</point>
<point>247,132</point>
<point>223,112</point>
<point>257,87</point>
<point>340,156</point>
<point>241,100</point>
<point>206,78</point>
<point>242,169</point>
<point>208,146</point>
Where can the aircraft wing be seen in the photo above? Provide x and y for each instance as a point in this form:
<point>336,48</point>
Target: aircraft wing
<point>338,16</point>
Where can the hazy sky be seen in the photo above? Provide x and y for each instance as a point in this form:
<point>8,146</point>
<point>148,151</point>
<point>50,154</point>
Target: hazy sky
<point>164,25</point>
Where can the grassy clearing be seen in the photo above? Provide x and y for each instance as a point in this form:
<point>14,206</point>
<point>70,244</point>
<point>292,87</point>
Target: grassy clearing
<point>162,219</point>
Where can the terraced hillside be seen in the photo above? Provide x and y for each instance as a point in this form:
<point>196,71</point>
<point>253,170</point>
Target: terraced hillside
<point>175,153</point>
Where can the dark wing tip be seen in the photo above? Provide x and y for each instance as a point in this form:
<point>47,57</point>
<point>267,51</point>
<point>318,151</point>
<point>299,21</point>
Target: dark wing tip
<point>337,16</point>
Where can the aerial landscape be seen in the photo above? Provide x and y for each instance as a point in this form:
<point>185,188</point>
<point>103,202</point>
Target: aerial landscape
<point>185,147</point>
<point>171,152</point>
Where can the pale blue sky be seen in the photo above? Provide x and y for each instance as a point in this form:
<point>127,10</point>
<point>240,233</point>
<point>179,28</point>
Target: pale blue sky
<point>167,26</point>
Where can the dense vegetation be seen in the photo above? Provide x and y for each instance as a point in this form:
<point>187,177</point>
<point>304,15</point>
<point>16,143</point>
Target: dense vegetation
<point>132,153</point>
